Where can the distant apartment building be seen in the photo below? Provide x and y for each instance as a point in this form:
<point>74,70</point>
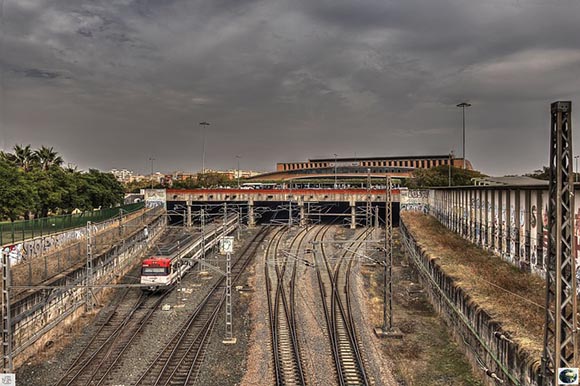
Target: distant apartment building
<point>183,176</point>
<point>233,174</point>
<point>123,175</point>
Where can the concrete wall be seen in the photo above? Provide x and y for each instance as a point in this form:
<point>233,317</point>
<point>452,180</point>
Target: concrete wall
<point>43,245</point>
<point>510,222</point>
<point>474,330</point>
<point>44,315</point>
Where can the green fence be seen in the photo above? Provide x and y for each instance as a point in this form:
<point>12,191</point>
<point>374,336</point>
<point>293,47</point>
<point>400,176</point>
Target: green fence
<point>14,232</point>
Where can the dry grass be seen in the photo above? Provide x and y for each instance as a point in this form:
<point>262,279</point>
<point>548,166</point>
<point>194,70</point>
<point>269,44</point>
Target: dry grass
<point>427,349</point>
<point>515,299</point>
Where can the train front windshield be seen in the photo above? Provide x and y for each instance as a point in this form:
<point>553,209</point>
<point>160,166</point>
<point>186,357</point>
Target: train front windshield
<point>154,271</point>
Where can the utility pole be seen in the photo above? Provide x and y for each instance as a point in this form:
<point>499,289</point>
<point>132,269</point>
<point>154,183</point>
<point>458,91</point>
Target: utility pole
<point>89,268</point>
<point>335,181</point>
<point>202,215</point>
<point>387,329</point>
<point>368,214</point>
<point>227,247</point>
<point>238,171</point>
<point>188,221</point>
<point>7,366</point>
<point>121,223</point>
<point>560,346</point>
<point>449,168</point>
<point>388,267</point>
<point>290,206</point>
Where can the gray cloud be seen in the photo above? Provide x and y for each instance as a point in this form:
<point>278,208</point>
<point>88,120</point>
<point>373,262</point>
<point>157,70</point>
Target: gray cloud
<point>113,82</point>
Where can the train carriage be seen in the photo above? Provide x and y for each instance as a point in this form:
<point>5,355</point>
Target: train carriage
<point>165,270</point>
<point>161,271</point>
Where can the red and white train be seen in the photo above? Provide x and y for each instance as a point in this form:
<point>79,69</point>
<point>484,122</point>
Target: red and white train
<point>159,272</point>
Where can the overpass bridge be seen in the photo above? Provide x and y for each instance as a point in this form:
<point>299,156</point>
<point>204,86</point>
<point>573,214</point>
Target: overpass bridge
<point>262,205</point>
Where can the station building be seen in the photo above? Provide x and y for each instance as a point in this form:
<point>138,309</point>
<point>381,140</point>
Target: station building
<point>396,167</point>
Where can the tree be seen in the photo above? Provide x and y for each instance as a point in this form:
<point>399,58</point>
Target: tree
<point>47,158</point>
<point>541,174</point>
<point>439,176</point>
<point>17,195</point>
<point>24,157</point>
<point>49,189</point>
<point>189,183</point>
<point>35,182</point>
<point>208,180</point>
<point>101,190</point>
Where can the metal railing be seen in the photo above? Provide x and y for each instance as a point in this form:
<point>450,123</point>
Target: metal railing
<point>17,231</point>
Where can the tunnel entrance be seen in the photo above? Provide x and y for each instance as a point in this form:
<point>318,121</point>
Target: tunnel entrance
<point>283,212</point>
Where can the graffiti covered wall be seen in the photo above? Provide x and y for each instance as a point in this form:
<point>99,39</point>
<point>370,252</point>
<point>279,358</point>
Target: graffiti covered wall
<point>510,222</point>
<point>415,200</point>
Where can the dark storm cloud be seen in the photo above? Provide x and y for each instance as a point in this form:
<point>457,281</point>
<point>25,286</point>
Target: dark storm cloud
<point>114,82</point>
<point>42,74</point>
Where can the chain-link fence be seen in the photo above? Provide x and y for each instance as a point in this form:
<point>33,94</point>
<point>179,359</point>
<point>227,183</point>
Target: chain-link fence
<point>17,231</point>
<point>36,270</point>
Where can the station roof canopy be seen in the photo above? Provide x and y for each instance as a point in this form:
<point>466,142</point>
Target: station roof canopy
<point>355,159</point>
<point>509,181</point>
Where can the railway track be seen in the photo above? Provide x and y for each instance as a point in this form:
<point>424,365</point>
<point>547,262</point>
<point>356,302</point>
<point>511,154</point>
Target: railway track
<point>280,291</point>
<point>179,361</point>
<point>334,289</point>
<point>118,329</point>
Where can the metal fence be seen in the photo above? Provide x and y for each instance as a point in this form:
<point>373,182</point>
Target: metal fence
<point>14,232</point>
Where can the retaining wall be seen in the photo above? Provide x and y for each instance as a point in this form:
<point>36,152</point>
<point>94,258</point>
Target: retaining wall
<point>47,244</point>
<point>472,327</point>
<point>35,316</point>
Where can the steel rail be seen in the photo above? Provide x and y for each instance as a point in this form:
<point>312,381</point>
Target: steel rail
<point>170,357</point>
<point>342,332</point>
<point>273,305</point>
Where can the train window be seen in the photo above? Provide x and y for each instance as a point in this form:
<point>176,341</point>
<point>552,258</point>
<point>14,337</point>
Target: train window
<point>154,271</point>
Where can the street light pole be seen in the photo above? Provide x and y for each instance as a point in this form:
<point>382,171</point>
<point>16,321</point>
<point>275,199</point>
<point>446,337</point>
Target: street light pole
<point>238,172</point>
<point>463,105</point>
<point>335,183</point>
<point>203,125</point>
<point>151,159</point>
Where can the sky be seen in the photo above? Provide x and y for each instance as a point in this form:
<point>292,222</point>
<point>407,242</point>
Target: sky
<point>114,83</point>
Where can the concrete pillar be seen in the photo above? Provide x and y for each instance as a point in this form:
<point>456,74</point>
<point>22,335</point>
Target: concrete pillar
<point>302,213</point>
<point>251,218</point>
<point>352,216</point>
<point>188,222</point>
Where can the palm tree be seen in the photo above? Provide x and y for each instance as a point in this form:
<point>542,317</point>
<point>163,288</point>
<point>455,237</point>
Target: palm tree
<point>6,157</point>
<point>47,157</point>
<point>24,157</point>
<point>71,168</point>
